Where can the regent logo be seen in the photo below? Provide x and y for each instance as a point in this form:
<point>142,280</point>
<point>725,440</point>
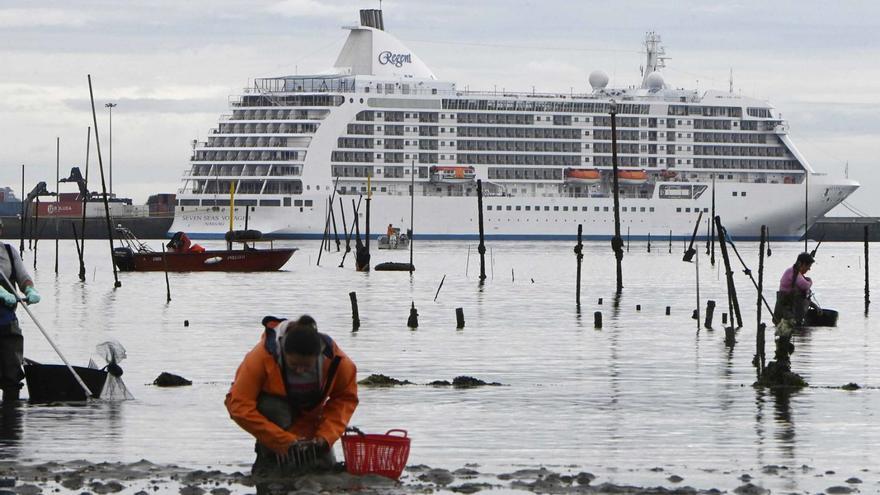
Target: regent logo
<point>395,59</point>
<point>58,209</point>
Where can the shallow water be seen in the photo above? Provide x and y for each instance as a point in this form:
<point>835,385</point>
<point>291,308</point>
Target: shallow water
<point>646,391</point>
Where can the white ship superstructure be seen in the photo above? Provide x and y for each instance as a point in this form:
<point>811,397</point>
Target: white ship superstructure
<point>545,160</point>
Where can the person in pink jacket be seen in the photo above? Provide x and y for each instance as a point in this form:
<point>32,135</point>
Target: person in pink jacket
<point>793,296</point>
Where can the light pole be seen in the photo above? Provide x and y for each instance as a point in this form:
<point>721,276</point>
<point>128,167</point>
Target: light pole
<point>110,106</point>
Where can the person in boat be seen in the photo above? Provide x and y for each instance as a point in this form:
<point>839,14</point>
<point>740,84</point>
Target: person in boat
<point>11,339</point>
<point>295,392</point>
<point>793,296</point>
<point>390,231</point>
<point>181,243</point>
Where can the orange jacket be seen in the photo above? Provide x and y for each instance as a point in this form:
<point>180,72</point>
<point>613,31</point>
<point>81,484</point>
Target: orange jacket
<point>260,372</point>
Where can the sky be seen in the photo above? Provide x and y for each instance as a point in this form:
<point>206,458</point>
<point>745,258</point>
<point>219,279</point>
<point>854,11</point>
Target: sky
<point>170,67</point>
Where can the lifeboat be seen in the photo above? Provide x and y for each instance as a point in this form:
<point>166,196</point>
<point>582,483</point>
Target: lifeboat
<point>632,177</point>
<point>453,174</point>
<point>582,176</point>
<point>668,174</point>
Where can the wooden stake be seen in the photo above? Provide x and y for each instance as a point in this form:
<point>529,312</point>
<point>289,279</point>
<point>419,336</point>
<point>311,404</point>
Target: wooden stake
<point>482,246</point>
<point>355,314</point>
<point>167,282</point>
<point>759,351</point>
<point>616,241</point>
<point>732,301</point>
<point>439,287</point>
<point>579,257</point>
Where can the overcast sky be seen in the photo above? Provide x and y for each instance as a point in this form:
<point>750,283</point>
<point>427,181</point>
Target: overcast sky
<point>170,65</point>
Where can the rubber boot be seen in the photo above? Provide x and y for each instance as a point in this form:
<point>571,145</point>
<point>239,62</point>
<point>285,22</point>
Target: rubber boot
<point>11,396</point>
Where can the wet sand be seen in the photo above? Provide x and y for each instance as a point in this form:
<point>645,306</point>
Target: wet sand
<point>144,477</point>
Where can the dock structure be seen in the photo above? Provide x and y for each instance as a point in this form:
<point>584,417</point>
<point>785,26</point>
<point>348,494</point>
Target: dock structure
<point>844,229</point>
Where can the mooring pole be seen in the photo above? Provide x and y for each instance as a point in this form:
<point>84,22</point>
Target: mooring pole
<point>76,243</point>
<point>165,267</point>
<point>579,256</point>
<point>697,269</point>
<point>351,229</point>
<point>85,202</point>
<point>867,285</point>
<point>439,287</point>
<point>806,207</point>
<point>335,231</point>
<point>759,362</point>
<point>35,230</point>
<point>616,241</point>
<point>732,302</point>
<point>412,209</point>
<point>116,282</point>
<point>670,242</point>
<point>690,251</point>
<point>712,235</point>
<point>57,196</point>
<point>23,214</point>
<point>482,247</point>
<point>367,221</point>
<point>649,242</point>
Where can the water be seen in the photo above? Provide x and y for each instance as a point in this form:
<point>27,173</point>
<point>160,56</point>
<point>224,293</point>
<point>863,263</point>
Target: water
<point>646,391</point>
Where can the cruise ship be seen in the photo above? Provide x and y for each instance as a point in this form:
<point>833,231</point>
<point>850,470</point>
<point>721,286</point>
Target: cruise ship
<point>381,124</point>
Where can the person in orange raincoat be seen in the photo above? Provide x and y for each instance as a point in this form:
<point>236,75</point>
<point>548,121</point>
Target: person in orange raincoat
<point>295,392</point>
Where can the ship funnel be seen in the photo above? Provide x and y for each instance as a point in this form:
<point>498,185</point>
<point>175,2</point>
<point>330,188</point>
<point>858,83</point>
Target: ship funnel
<point>372,18</point>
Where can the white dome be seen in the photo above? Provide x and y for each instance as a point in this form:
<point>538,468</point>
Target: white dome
<point>598,80</point>
<point>655,81</point>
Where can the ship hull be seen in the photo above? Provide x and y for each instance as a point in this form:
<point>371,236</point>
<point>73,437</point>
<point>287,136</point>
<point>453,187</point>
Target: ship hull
<point>743,209</point>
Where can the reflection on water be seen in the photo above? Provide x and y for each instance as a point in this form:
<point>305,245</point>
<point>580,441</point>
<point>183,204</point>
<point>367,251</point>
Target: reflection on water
<point>644,391</point>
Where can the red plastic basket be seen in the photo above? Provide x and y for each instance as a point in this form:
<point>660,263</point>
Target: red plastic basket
<point>385,455</point>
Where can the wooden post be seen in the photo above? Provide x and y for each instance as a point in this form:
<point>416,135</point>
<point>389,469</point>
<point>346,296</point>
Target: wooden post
<point>732,301</point>
<point>439,287</point>
<point>413,320</point>
<point>627,239</point>
<point>710,313</point>
<point>649,242</point>
<point>867,285</point>
<point>759,351</point>
<point>668,310</point>
<point>355,314</point>
<point>467,262</point>
<point>78,250</point>
<point>247,214</point>
<point>367,220</point>
<point>482,247</point>
<point>670,242</point>
<point>351,229</point>
<point>597,319</point>
<point>167,282</point>
<point>806,207</point>
<point>579,257</point>
<point>616,241</point>
<point>697,269</point>
<point>116,283</point>
<point>335,231</point>
<point>459,318</point>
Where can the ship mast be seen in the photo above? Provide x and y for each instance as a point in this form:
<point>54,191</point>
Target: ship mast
<point>656,56</point>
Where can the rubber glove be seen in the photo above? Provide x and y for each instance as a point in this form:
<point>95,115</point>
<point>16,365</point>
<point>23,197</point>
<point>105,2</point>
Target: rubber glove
<point>7,297</point>
<point>33,297</point>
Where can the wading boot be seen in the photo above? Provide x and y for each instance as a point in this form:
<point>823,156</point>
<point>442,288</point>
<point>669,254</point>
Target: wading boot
<point>11,396</point>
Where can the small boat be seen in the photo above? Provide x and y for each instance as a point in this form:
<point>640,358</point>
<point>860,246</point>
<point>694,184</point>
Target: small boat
<point>393,266</point>
<point>452,174</point>
<point>137,257</point>
<point>583,175</point>
<point>632,177</point>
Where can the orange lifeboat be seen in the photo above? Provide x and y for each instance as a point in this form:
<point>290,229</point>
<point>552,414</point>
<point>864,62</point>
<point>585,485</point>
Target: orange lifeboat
<point>632,177</point>
<point>583,175</point>
<point>452,174</point>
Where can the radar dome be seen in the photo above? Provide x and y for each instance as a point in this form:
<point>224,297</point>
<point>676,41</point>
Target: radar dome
<point>655,81</point>
<point>598,80</point>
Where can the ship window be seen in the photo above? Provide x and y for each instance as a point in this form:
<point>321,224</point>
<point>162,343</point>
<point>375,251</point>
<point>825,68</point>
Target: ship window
<point>537,208</point>
<point>307,202</point>
<point>555,208</point>
<point>270,202</point>
<point>488,207</point>
<point>351,100</point>
<point>564,208</point>
<point>678,210</point>
<point>433,91</point>
<point>384,189</point>
<point>585,208</point>
<point>605,208</point>
<point>623,209</point>
<point>286,201</point>
<point>705,210</point>
<point>742,193</point>
<point>528,208</point>
<point>546,208</point>
<point>508,208</point>
<point>734,193</point>
<point>362,100</point>
<point>595,208</point>
<point>297,202</point>
<point>642,209</point>
<point>519,208</point>
<point>651,209</point>
<point>687,210</point>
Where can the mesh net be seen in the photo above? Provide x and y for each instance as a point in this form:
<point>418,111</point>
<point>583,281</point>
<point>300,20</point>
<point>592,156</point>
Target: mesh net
<point>112,353</point>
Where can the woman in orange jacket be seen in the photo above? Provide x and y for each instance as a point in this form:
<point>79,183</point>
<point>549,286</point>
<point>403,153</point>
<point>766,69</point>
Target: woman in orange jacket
<point>294,392</point>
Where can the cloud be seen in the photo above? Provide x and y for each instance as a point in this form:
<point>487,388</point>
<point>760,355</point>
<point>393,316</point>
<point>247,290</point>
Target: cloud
<point>41,17</point>
<point>309,8</point>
